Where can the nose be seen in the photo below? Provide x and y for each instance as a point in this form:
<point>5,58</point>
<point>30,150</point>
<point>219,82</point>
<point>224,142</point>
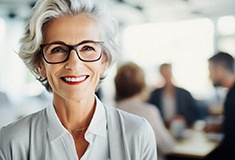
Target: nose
<point>73,60</point>
<point>73,54</point>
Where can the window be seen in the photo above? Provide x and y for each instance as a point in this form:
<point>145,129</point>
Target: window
<point>187,45</point>
<point>226,32</point>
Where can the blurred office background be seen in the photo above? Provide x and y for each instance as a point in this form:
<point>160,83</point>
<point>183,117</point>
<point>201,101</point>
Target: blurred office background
<point>182,32</point>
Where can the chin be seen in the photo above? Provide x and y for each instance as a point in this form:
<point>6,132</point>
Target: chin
<point>217,84</point>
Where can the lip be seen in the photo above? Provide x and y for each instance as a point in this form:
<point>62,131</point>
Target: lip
<point>73,80</point>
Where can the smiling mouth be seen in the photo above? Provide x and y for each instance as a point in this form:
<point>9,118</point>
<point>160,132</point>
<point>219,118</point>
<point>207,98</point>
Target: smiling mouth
<point>74,79</point>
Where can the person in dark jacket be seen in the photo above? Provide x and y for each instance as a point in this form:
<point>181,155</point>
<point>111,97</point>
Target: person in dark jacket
<point>221,67</point>
<point>174,101</point>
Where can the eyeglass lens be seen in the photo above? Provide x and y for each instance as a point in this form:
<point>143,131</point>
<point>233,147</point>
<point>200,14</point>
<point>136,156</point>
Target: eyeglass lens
<point>56,52</point>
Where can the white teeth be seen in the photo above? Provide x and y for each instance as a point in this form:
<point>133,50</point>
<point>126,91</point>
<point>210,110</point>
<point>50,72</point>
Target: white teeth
<point>75,79</point>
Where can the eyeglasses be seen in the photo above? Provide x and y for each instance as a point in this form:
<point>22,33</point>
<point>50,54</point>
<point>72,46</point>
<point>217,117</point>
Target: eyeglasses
<point>59,52</point>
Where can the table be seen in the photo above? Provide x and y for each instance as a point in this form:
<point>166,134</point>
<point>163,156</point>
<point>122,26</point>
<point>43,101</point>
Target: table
<point>195,145</point>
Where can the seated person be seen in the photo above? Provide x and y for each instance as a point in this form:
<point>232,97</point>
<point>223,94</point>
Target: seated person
<point>222,73</point>
<point>130,95</point>
<point>173,101</point>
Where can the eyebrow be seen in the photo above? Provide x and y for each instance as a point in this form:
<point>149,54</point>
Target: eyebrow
<point>84,41</point>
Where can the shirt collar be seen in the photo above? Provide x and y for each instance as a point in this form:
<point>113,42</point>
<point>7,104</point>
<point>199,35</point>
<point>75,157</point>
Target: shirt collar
<point>97,126</point>
<point>55,127</point>
<point>98,122</point>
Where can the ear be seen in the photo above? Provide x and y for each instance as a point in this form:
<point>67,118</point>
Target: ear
<point>41,69</point>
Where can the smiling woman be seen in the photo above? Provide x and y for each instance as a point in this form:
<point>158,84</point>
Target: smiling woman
<point>69,46</point>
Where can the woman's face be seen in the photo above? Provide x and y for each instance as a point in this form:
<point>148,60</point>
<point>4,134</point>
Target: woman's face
<point>73,79</point>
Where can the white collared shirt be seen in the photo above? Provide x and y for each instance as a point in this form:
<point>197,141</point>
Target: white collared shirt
<point>42,136</point>
<point>96,135</point>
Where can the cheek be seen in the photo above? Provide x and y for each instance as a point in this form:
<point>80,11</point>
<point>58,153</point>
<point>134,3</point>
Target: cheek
<point>51,70</point>
<point>53,77</point>
<point>98,69</point>
<point>212,76</point>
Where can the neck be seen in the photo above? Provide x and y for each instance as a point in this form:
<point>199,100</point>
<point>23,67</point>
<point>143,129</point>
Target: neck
<point>229,81</point>
<point>169,88</point>
<point>74,115</point>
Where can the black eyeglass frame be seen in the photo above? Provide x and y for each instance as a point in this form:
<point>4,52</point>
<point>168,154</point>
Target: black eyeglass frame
<point>72,47</point>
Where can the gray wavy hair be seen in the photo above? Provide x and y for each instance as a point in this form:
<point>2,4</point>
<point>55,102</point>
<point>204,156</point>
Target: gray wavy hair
<point>46,10</point>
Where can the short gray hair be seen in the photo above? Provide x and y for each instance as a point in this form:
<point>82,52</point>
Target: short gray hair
<point>46,10</point>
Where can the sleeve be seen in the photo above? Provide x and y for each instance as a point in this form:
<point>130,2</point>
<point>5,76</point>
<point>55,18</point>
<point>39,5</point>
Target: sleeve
<point>130,137</point>
<point>149,149</point>
<point>165,141</point>
<point>155,98</point>
<point>229,119</point>
<point>187,106</point>
<point>11,145</point>
<point>3,148</point>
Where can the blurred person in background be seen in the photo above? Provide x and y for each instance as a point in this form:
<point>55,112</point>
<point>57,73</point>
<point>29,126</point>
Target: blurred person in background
<point>69,45</point>
<point>175,102</point>
<point>131,94</point>
<point>221,68</point>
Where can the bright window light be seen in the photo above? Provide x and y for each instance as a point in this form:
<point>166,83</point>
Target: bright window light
<point>187,45</point>
<point>2,33</point>
<point>226,25</point>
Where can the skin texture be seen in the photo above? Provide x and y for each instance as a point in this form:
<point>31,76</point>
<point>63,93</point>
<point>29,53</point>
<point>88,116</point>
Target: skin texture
<point>216,74</point>
<point>74,102</point>
<point>220,76</point>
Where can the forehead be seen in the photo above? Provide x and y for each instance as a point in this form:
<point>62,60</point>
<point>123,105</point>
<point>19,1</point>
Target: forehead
<point>165,68</point>
<point>72,29</point>
<point>212,66</point>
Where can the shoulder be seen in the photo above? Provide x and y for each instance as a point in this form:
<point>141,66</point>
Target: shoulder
<point>155,95</point>
<point>157,90</point>
<point>19,131</point>
<point>148,109</point>
<point>182,91</point>
<point>130,122</point>
<point>153,111</point>
<point>232,91</point>
<point>130,134</point>
<point>125,116</point>
<point>151,107</point>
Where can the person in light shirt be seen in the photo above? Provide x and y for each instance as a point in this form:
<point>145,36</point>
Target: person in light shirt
<point>69,45</point>
<point>131,97</point>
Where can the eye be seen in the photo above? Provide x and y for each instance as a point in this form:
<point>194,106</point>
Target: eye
<point>58,49</point>
<point>55,48</point>
<point>87,48</point>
